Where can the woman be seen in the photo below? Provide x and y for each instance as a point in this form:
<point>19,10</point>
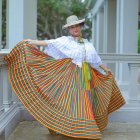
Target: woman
<point>60,87</point>
<point>74,26</point>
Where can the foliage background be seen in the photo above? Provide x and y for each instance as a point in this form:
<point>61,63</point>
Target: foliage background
<point>139,41</point>
<point>3,23</point>
<point>52,15</point>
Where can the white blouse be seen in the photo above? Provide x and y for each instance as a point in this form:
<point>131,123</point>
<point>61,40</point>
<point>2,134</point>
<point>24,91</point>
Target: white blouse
<point>68,47</point>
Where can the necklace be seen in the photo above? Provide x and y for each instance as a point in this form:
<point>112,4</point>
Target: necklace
<point>80,40</point>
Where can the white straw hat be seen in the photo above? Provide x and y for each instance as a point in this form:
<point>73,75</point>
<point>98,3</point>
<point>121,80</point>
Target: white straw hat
<point>72,20</point>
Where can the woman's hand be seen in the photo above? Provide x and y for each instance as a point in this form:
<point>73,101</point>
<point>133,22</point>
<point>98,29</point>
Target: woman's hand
<point>106,70</point>
<point>31,41</point>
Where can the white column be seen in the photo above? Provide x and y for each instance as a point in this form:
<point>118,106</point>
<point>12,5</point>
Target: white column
<point>110,30</point>
<point>30,19</point>
<point>15,15</point>
<point>127,26</point>
<point>0,24</point>
<point>134,87</point>
<point>94,30</point>
<point>1,95</point>
<point>6,88</point>
<point>110,25</point>
<point>126,35</point>
<point>15,99</point>
<point>21,21</point>
<point>100,31</point>
<point>105,27</point>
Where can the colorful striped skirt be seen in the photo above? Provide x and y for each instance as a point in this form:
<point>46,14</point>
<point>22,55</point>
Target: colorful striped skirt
<point>53,92</point>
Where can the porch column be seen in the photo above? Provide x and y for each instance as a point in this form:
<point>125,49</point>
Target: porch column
<point>105,27</point>
<point>30,19</point>
<point>134,86</point>
<point>94,30</point>
<point>109,45</point>
<point>127,26</point>
<point>1,95</point>
<point>100,31</point>
<point>6,88</point>
<point>127,36</point>
<point>23,24</point>
<point>110,25</point>
<point>15,30</point>
<point>0,24</point>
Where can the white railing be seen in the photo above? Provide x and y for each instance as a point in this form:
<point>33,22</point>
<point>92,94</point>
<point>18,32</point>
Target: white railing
<point>123,58</point>
<point>3,52</point>
<point>11,108</point>
<point>131,89</point>
<point>5,88</point>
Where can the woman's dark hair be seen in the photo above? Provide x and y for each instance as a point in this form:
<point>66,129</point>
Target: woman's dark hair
<point>82,24</point>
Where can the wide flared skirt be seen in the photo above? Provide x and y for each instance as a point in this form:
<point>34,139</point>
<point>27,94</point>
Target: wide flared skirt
<point>53,92</point>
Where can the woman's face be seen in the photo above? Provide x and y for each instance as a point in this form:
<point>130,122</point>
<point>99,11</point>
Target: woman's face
<point>75,30</point>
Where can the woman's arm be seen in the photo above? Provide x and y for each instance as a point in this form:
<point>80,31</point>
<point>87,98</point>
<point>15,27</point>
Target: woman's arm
<point>106,70</point>
<point>36,42</point>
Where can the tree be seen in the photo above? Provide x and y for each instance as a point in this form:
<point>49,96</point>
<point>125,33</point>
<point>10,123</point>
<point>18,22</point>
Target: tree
<point>3,23</point>
<point>52,15</point>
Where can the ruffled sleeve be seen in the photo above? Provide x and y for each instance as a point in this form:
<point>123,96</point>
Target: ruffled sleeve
<point>92,57</point>
<point>57,48</point>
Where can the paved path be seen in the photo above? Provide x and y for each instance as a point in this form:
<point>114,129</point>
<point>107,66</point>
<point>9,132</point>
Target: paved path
<point>32,130</point>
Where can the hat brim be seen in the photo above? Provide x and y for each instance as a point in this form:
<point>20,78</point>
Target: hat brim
<point>74,23</point>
